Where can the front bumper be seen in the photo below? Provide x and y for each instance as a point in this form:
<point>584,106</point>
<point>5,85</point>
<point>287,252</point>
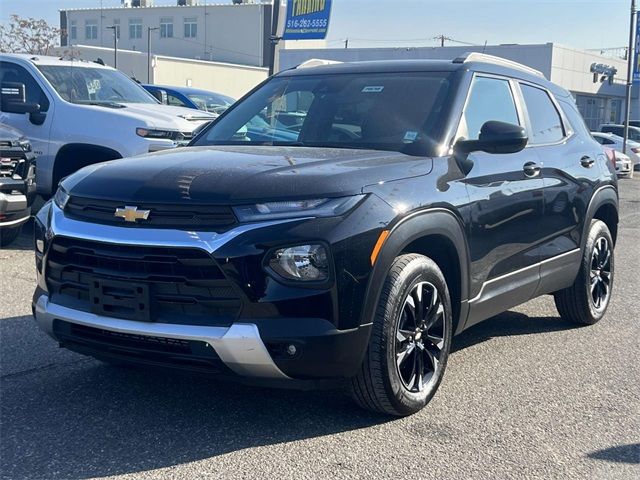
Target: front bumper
<point>239,346</point>
<point>14,209</point>
<point>329,344</point>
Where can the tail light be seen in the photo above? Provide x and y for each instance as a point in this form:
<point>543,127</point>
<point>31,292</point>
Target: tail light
<point>635,149</point>
<point>611,155</point>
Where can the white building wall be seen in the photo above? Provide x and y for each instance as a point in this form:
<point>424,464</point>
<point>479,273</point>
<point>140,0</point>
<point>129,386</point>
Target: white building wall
<point>229,79</point>
<point>226,33</point>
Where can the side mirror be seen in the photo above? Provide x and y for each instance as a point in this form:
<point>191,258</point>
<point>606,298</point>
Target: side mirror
<point>495,137</point>
<point>13,99</point>
<point>161,96</point>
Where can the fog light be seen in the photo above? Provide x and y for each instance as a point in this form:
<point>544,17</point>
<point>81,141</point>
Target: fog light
<point>307,263</point>
<point>291,350</point>
<point>39,245</point>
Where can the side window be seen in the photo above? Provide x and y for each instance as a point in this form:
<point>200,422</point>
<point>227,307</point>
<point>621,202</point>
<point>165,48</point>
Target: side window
<point>173,100</point>
<point>490,99</point>
<point>10,72</point>
<point>546,124</point>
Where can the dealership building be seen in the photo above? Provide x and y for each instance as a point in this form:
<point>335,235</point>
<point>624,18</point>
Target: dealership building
<point>596,81</point>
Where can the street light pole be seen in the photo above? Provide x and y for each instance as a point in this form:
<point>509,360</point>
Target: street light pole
<point>149,29</point>
<point>115,44</point>
<point>630,66</point>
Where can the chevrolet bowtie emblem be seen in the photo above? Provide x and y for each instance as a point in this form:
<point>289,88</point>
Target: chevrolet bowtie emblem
<point>131,214</point>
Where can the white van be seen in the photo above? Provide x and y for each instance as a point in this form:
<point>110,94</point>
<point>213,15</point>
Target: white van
<point>76,113</point>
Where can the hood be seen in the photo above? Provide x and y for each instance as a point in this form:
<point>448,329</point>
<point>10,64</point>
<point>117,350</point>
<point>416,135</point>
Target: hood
<point>237,175</point>
<point>168,116</point>
<point>8,133</point>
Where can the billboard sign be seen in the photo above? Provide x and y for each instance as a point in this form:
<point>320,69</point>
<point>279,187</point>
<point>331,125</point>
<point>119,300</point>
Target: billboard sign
<point>307,19</point>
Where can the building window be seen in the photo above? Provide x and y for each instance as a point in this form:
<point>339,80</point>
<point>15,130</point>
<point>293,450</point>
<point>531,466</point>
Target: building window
<point>190,27</point>
<point>166,27</point>
<point>135,28</point>
<point>74,30</point>
<point>116,23</point>
<point>91,29</point>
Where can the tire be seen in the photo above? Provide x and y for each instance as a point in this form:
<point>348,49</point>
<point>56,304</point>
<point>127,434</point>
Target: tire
<point>9,235</point>
<point>584,303</point>
<point>383,384</point>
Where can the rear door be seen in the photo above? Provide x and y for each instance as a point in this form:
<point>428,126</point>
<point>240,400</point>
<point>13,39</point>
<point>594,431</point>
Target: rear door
<point>506,205</point>
<point>568,155</point>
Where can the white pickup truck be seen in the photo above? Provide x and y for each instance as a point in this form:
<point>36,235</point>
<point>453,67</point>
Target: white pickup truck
<point>76,113</point>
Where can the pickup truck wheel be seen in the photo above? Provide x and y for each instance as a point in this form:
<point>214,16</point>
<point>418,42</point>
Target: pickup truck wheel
<point>9,235</point>
<point>410,339</point>
<point>586,301</point>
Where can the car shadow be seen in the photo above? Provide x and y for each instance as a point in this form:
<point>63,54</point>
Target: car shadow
<point>619,454</point>
<point>507,324</point>
<point>66,416</point>
<point>24,240</point>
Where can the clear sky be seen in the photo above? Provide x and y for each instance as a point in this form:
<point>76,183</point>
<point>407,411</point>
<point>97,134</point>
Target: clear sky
<point>380,23</point>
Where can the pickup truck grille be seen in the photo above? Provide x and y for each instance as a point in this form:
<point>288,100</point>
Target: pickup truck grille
<point>180,285</point>
<point>8,167</point>
<point>192,217</point>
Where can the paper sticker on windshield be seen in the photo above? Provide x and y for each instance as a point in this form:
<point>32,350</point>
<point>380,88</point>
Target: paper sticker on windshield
<point>373,89</point>
<point>93,86</point>
<point>410,136</point>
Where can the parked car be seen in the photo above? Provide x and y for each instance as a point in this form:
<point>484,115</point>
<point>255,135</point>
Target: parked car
<point>613,141</point>
<point>191,98</point>
<point>77,113</point>
<point>634,123</point>
<point>337,258</point>
<point>634,132</point>
<point>623,164</point>
<point>17,183</point>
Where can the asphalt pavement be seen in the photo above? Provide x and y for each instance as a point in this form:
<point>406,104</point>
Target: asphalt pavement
<point>525,395</point>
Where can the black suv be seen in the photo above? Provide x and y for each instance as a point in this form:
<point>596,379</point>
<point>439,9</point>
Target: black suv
<point>407,201</point>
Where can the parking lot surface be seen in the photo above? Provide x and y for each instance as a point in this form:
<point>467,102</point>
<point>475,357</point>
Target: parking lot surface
<point>525,395</point>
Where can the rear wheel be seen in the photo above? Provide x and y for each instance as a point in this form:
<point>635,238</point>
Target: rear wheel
<point>586,301</point>
<point>410,340</point>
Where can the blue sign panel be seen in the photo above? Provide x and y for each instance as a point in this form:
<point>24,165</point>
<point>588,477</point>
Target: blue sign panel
<point>307,19</point>
<point>636,58</point>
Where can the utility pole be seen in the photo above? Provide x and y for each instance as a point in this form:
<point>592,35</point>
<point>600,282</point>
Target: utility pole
<point>149,29</point>
<point>442,38</point>
<point>346,43</point>
<point>115,44</point>
<point>630,66</point>
<point>275,17</point>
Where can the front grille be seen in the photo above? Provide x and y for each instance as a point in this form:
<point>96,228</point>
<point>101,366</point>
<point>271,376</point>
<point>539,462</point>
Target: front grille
<point>193,217</point>
<point>184,285</point>
<point>8,167</point>
<point>161,351</point>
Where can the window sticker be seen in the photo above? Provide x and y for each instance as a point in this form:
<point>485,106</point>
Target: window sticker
<point>373,89</point>
<point>410,136</point>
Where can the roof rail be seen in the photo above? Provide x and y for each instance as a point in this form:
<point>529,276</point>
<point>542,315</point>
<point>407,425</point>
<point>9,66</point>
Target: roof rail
<point>316,62</point>
<point>483,57</point>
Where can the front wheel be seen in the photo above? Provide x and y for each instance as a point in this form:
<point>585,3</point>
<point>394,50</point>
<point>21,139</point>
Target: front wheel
<point>410,339</point>
<point>586,301</point>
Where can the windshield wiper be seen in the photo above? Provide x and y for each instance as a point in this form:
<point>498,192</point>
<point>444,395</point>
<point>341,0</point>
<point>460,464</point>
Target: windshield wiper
<point>107,104</point>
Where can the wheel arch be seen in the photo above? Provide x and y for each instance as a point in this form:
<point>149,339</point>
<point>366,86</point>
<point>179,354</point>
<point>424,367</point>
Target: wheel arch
<point>603,206</point>
<point>73,156</point>
<point>438,234</point>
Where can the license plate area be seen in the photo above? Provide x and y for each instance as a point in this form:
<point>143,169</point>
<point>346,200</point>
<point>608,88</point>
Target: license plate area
<point>126,300</point>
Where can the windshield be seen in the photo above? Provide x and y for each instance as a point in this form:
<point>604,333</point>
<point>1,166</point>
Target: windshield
<point>210,102</point>
<point>382,111</point>
<point>94,85</point>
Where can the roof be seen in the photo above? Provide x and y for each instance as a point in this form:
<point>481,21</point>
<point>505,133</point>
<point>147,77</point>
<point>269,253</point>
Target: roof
<point>475,63</point>
<point>49,60</point>
<point>152,7</point>
<point>189,90</point>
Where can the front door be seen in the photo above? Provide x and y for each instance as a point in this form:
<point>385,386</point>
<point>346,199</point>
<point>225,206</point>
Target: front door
<point>38,135</point>
<point>506,199</point>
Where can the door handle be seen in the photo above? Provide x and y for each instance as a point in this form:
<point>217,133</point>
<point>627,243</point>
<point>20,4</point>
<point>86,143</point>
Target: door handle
<point>531,169</point>
<point>587,161</point>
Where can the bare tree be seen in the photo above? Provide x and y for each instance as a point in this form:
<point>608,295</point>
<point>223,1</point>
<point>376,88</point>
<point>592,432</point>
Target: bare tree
<point>28,35</point>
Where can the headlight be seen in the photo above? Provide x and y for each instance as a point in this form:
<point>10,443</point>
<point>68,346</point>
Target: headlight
<point>61,198</point>
<point>307,263</point>
<point>319,207</point>
<point>155,133</point>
